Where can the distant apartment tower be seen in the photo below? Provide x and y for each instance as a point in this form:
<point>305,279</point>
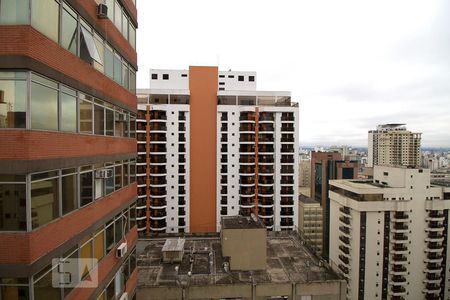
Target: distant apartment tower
<point>390,239</point>
<point>304,173</point>
<point>326,166</point>
<point>67,164</point>
<point>393,145</point>
<point>310,222</point>
<point>211,145</point>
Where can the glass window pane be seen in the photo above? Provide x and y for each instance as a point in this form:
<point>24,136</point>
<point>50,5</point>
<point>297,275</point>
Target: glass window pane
<point>125,26</point>
<point>125,73</point>
<point>14,11</point>
<point>132,171</point>
<point>85,188</point>
<point>101,51</point>
<point>118,229</point>
<point>85,117</point>
<point>109,62</point>
<point>13,207</point>
<point>118,16</point>
<point>132,36</point>
<point>88,48</point>
<point>133,126</point>
<point>86,252</point>
<point>44,202</point>
<point>13,103</point>
<point>68,113</point>
<point>125,174</point>
<point>45,17</point>
<point>99,187</point>
<point>69,30</point>
<point>109,122</point>
<point>117,69</point>
<point>43,289</point>
<point>119,126</point>
<point>132,81</point>
<point>110,291</point>
<point>110,4</point>
<point>132,261</point>
<point>118,176</point>
<point>132,216</point>
<point>69,193</point>
<point>14,292</point>
<point>109,236</point>
<point>109,184</point>
<point>44,107</point>
<point>99,120</point>
<point>99,245</point>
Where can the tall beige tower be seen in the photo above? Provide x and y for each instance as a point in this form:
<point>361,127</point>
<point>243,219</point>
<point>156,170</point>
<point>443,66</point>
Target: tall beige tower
<point>393,145</point>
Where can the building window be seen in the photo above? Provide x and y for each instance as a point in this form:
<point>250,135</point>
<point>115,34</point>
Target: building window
<point>44,105</point>
<point>13,203</point>
<point>14,12</point>
<point>44,198</point>
<point>13,100</point>
<point>109,122</point>
<point>154,76</point>
<point>45,18</point>
<point>109,62</point>
<point>251,78</point>
<point>69,30</point>
<point>240,78</point>
<point>85,116</point>
<point>184,75</point>
<point>109,236</point>
<point>99,120</point>
<point>86,186</point>
<point>68,110</point>
<point>69,187</point>
<point>99,244</point>
<point>165,76</point>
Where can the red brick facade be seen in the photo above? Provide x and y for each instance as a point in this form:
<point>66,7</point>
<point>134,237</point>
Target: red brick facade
<point>29,246</point>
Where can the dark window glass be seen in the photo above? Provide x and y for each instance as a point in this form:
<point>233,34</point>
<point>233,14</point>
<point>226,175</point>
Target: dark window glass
<point>109,182</point>
<point>118,229</point>
<point>118,176</point>
<point>43,289</point>
<point>109,236</point>
<point>109,122</point>
<point>165,76</point>
<point>69,193</point>
<point>44,202</point>
<point>109,62</point>
<point>251,78</point>
<point>12,207</point>
<point>99,120</point>
<point>241,78</point>
<point>86,188</point>
<point>13,103</point>
<point>117,69</point>
<point>110,291</point>
<point>154,76</point>
<point>125,174</point>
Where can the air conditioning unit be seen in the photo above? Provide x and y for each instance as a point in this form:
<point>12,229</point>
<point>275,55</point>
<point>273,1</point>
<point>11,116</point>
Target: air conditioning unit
<point>103,173</point>
<point>124,296</point>
<point>121,250</point>
<point>102,11</point>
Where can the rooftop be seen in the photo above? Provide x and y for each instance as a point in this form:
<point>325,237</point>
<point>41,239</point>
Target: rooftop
<point>241,222</point>
<point>287,261</point>
<point>306,199</point>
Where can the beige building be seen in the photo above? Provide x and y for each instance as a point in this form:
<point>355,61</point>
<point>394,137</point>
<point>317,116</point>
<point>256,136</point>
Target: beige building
<point>310,222</point>
<point>393,145</point>
<point>290,270</point>
<point>304,173</point>
<point>389,238</point>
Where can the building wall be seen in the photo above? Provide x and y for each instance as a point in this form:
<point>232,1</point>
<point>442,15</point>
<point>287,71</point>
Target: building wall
<point>408,190</point>
<point>246,248</point>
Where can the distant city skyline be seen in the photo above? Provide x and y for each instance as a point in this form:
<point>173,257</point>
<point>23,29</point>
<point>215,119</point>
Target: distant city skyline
<point>351,65</point>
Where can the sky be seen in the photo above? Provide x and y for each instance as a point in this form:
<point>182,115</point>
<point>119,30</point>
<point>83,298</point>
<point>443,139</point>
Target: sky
<point>351,64</point>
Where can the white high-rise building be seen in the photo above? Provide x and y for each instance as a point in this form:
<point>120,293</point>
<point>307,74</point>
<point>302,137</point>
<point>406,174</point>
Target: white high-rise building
<point>393,145</point>
<point>389,238</point>
<point>211,145</point>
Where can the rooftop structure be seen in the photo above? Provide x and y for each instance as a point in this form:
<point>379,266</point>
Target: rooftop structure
<point>291,269</point>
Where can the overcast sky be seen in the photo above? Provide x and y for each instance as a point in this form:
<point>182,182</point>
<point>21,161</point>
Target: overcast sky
<point>350,64</point>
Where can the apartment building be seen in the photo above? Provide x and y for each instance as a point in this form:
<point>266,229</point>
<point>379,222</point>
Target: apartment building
<point>390,239</point>
<point>67,165</point>
<point>393,145</point>
<point>211,145</point>
<point>304,179</point>
<point>310,222</point>
<point>326,166</point>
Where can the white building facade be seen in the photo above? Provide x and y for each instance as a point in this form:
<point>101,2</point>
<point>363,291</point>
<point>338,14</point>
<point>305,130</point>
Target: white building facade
<point>390,235</point>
